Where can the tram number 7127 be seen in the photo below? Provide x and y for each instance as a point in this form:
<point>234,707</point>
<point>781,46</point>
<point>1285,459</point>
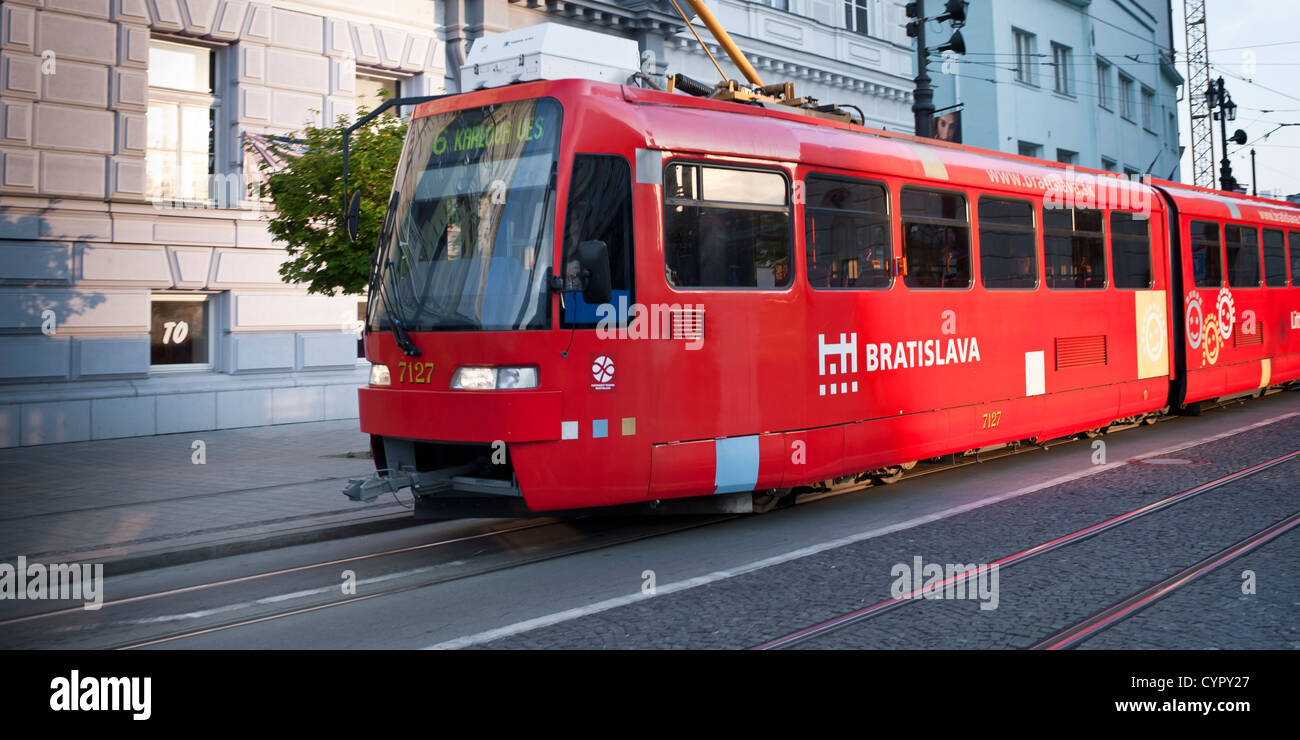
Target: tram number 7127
<point>990,419</point>
<point>414,372</point>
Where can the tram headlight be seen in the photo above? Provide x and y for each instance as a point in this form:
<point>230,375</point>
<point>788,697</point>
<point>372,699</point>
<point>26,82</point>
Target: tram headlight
<point>517,377</point>
<point>470,378</point>
<point>379,375</point>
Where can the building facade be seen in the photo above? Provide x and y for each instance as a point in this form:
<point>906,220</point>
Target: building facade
<point>139,287</point>
<point>1086,82</point>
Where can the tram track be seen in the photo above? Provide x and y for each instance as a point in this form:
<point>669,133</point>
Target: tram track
<point>598,537</point>
<point>424,583</point>
<point>286,597</point>
<point>864,614</point>
<point>802,498</point>
<point>1085,629</point>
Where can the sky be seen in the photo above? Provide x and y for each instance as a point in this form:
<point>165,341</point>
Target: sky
<point>1252,40</point>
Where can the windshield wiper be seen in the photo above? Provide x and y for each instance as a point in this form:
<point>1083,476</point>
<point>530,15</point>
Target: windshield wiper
<point>387,273</point>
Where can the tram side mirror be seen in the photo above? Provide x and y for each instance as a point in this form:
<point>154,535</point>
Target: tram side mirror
<point>352,220</point>
<point>598,287</point>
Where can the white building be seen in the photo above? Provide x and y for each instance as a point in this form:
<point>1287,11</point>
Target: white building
<point>139,287</point>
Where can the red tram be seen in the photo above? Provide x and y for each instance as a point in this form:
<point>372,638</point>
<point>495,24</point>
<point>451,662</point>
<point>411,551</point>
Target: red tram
<point>589,294</point>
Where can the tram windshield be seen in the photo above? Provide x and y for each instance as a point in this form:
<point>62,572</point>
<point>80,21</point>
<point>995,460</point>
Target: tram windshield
<point>467,240</point>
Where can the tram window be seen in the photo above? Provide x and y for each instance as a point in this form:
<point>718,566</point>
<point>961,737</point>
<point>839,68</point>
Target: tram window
<point>1241,251</point>
<point>936,244</point>
<point>599,209</point>
<point>1293,240</point>
<point>1074,248</point>
<point>1008,244</point>
<point>1130,250</point>
<point>726,227</point>
<point>1274,259</point>
<point>846,226</point>
<point>1207,269</point>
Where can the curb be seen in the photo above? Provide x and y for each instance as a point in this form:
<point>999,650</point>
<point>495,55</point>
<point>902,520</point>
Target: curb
<point>241,546</point>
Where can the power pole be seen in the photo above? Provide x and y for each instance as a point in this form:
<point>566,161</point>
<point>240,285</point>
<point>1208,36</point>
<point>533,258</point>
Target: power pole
<point>923,96</point>
<point>1198,78</point>
<point>1216,96</point>
<point>1254,179</point>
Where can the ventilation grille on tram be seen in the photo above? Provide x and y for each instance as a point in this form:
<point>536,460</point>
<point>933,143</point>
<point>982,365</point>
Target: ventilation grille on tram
<point>688,323</point>
<point>1080,351</point>
<point>1245,340</point>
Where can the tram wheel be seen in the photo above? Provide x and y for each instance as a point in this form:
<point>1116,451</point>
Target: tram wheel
<point>891,474</point>
<point>774,498</point>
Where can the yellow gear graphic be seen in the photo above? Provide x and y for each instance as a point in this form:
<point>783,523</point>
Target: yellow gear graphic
<point>1213,340</point>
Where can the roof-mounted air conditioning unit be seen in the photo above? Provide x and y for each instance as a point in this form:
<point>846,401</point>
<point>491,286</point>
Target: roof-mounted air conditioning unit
<point>548,51</point>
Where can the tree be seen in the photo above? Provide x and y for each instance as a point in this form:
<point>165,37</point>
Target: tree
<point>307,194</point>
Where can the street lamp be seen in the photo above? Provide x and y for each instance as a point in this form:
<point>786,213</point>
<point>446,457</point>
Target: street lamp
<point>1217,97</point>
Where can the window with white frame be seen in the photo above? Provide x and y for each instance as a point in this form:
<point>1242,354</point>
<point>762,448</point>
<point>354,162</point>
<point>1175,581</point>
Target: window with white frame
<point>855,16</point>
<point>373,89</point>
<point>1063,64</point>
<point>183,106</point>
<point>1103,84</point>
<point>778,4</point>
<point>180,330</point>
<point>1126,96</point>
<point>1026,57</point>
<point>361,328</point>
<point>1148,109</point>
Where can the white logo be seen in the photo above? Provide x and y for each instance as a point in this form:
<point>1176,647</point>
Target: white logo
<point>93,693</point>
<point>846,355</point>
<point>602,369</point>
<point>1153,331</point>
<point>1227,313</point>
<point>1195,319</point>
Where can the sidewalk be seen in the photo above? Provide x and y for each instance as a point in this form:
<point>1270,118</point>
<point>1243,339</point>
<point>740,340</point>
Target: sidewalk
<point>144,502</point>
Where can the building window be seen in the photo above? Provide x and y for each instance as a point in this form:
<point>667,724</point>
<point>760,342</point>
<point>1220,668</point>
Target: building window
<point>361,328</point>
<point>1103,84</point>
<point>1126,96</point>
<point>179,330</point>
<point>1108,164</point>
<point>846,228</point>
<point>1025,57</point>
<point>373,90</point>
<point>1063,63</point>
<point>936,245</point>
<point>1029,149</point>
<point>778,4</point>
<point>855,16</point>
<point>1149,109</point>
<point>1065,156</point>
<point>181,156</point>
